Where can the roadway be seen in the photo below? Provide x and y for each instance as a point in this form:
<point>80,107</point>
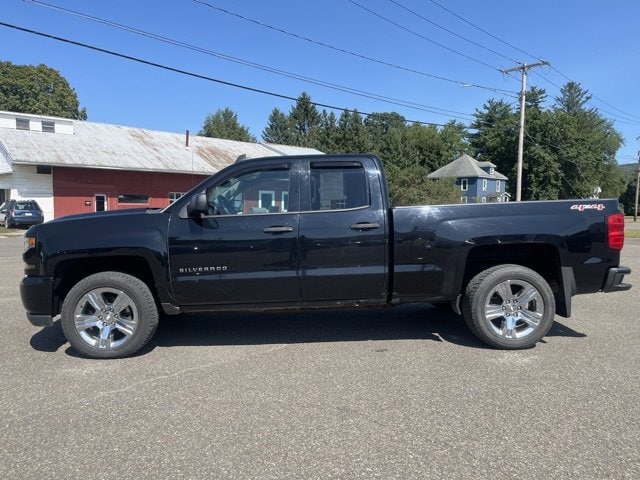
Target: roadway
<point>404,393</point>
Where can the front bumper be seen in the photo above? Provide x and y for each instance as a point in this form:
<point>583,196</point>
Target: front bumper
<point>36,293</point>
<point>614,281</point>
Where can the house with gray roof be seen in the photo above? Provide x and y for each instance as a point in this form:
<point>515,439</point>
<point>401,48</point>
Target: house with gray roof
<point>70,166</point>
<point>477,181</point>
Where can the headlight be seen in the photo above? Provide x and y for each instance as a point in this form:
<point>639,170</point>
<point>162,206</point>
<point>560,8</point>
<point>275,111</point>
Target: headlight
<point>29,256</point>
<point>29,242</point>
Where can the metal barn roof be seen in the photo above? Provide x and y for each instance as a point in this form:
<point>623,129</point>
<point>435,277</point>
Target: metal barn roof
<point>98,145</point>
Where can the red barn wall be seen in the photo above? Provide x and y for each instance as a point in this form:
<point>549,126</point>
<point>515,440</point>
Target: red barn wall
<point>74,189</point>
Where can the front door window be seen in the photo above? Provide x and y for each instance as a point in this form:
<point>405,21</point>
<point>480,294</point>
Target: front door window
<point>255,191</point>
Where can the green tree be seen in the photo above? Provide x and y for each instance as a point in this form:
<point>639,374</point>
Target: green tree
<point>395,149</point>
<point>380,123</point>
<point>351,134</point>
<point>495,138</point>
<point>304,119</point>
<point>628,198</point>
<point>387,137</point>
<point>39,90</point>
<point>410,186</point>
<point>224,124</point>
<point>326,136</point>
<point>572,99</point>
<point>542,170</point>
<point>586,144</point>
<point>279,129</point>
<point>453,142</point>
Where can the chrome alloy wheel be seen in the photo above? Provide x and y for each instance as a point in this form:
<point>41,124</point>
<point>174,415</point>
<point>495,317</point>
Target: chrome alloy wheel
<point>105,318</point>
<point>514,309</point>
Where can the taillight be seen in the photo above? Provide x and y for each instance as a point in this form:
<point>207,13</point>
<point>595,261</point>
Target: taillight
<point>615,231</point>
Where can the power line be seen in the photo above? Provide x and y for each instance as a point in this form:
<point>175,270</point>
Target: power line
<point>192,74</point>
<point>629,120</point>
<point>354,91</point>
<point>484,31</point>
<point>597,98</point>
<point>537,57</point>
<point>354,54</point>
<point>419,35</point>
<point>559,150</point>
<point>559,171</point>
<point>404,7</point>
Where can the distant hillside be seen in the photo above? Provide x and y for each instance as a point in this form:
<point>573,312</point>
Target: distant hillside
<point>630,170</point>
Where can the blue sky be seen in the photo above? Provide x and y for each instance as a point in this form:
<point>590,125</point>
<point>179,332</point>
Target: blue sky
<point>592,42</point>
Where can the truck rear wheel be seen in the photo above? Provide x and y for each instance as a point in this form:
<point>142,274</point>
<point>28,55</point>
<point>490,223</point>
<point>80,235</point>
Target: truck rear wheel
<point>509,307</point>
<point>109,315</point>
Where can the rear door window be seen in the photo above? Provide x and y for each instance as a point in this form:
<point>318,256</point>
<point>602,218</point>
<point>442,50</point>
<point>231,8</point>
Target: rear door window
<point>335,186</point>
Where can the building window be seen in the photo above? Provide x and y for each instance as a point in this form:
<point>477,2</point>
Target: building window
<point>173,196</point>
<point>285,201</point>
<point>463,199</point>
<point>100,202</point>
<point>464,185</point>
<point>133,198</point>
<point>267,200</point>
<point>49,126</point>
<point>498,186</point>
<point>43,169</point>
<point>485,184</point>
<point>22,124</point>
<point>491,171</point>
<point>484,199</point>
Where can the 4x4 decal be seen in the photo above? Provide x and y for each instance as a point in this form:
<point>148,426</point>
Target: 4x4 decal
<point>581,207</point>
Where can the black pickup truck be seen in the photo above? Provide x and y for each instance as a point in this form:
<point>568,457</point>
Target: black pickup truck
<point>316,232</point>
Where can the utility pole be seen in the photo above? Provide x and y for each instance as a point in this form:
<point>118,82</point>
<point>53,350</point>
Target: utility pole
<point>635,211</point>
<point>523,69</point>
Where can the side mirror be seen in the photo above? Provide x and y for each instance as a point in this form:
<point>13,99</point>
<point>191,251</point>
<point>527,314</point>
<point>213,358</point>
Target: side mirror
<point>197,206</point>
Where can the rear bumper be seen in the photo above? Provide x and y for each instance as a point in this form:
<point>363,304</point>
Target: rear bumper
<point>614,281</point>
<point>37,297</point>
<point>34,220</point>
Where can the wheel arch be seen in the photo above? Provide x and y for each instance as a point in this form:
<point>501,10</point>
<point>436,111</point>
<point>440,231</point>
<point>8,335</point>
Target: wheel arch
<point>543,258</point>
<point>70,272</point>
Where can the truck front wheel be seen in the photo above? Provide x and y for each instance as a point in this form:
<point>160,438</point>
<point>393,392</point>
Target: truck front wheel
<point>109,315</point>
<point>509,307</point>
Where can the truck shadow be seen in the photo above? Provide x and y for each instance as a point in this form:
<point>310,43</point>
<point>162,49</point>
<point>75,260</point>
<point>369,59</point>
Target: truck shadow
<point>408,322</point>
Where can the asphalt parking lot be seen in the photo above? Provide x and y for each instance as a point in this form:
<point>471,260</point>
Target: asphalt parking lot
<point>403,393</point>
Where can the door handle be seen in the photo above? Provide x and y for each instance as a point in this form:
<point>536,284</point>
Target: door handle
<point>365,226</point>
<point>278,229</point>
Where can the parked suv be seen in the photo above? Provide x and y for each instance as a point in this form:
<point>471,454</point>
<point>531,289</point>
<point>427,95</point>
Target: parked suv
<point>20,212</point>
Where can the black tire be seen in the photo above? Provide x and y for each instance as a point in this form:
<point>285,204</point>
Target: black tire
<point>509,307</point>
<point>109,315</point>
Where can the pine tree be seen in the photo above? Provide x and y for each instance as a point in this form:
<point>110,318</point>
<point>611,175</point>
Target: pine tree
<point>326,135</point>
<point>224,124</point>
<point>304,119</point>
<point>279,129</point>
<point>351,133</point>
